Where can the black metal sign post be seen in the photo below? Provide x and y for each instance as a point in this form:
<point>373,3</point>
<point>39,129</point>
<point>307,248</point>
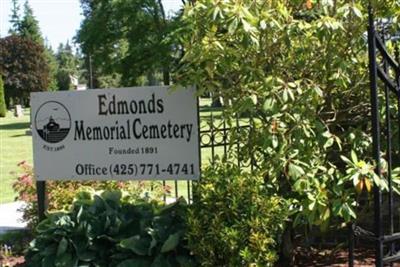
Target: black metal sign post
<point>387,72</point>
<point>41,199</point>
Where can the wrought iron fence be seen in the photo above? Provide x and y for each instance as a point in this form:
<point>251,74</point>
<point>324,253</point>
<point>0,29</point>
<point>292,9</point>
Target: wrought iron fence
<point>218,140</point>
<point>385,95</point>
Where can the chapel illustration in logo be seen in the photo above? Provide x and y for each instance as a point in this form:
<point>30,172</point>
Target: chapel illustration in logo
<point>52,122</point>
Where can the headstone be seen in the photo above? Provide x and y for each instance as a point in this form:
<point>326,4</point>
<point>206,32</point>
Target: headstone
<point>19,112</point>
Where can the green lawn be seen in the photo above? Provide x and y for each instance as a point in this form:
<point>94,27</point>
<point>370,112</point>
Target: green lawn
<point>15,146</point>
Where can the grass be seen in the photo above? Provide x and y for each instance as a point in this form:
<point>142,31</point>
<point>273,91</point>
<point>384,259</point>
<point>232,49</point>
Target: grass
<point>15,146</point>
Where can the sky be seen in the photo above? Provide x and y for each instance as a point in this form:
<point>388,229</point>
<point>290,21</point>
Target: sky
<point>58,19</point>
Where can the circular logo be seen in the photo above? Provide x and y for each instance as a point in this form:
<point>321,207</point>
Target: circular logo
<point>52,122</point>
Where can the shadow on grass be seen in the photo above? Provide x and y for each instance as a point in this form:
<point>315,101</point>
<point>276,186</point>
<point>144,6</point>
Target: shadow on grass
<point>5,229</point>
<point>210,109</point>
<point>20,135</point>
<point>208,116</point>
<point>15,126</point>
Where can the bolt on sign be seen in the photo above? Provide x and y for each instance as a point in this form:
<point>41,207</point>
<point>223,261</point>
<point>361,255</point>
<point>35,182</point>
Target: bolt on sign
<point>140,133</point>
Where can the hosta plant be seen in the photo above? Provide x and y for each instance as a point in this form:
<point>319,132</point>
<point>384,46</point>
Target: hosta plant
<point>103,230</point>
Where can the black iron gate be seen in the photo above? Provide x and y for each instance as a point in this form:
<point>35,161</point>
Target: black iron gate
<point>385,117</point>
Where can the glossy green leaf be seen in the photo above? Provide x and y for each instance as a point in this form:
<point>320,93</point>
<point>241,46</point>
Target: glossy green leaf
<point>62,247</point>
<point>269,104</point>
<point>295,171</point>
<point>137,244</point>
<point>171,243</point>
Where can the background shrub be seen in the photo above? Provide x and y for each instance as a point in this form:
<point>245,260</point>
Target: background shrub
<point>16,241</point>
<point>274,62</point>
<point>234,220</point>
<point>105,230</point>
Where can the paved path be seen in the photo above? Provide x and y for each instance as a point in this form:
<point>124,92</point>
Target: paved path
<point>10,218</point>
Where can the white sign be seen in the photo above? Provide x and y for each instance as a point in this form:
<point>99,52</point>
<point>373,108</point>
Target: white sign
<point>139,133</point>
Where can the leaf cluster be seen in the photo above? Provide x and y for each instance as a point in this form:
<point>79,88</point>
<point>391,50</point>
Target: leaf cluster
<point>102,230</point>
<point>299,71</point>
<point>235,219</point>
<point>126,38</point>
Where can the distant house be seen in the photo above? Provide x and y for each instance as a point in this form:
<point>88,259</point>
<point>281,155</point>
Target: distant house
<point>75,83</point>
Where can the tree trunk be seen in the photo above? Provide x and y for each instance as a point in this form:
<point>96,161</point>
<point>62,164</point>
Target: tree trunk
<point>166,76</point>
<point>216,102</point>
<point>151,79</point>
<point>8,102</point>
<point>286,254</point>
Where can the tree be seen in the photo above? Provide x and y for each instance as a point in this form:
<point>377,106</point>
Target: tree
<point>53,67</point>
<point>15,19</point>
<point>299,71</point>
<point>24,68</point>
<point>67,66</point>
<point>3,108</point>
<point>29,26</point>
<point>127,38</point>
